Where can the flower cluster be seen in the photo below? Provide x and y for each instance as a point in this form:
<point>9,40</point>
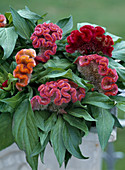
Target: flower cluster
<point>57,93</point>
<point>95,69</point>
<point>44,37</point>
<point>25,60</point>
<point>90,40</point>
<point>2,21</point>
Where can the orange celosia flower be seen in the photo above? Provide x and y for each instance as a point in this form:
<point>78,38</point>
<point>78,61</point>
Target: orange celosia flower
<point>26,62</point>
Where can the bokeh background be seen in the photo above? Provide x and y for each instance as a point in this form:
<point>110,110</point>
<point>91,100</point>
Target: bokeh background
<point>107,13</point>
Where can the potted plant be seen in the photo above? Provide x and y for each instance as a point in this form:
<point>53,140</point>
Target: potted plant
<point>57,84</point>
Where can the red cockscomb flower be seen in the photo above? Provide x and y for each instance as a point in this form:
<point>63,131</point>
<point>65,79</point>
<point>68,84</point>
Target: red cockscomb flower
<point>90,40</point>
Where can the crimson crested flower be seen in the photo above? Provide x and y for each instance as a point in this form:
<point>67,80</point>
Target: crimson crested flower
<point>90,40</point>
<point>55,95</point>
<point>4,84</point>
<point>25,60</point>
<point>44,38</point>
<point>2,21</point>
<point>95,69</point>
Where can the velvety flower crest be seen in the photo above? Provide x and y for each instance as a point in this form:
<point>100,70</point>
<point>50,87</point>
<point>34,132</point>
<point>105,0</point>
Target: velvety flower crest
<point>57,93</point>
<point>90,40</point>
<point>2,21</point>
<point>25,63</point>
<point>95,69</point>
<point>44,37</point>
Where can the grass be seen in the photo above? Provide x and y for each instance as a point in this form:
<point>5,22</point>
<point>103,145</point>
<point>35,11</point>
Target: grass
<point>107,13</point>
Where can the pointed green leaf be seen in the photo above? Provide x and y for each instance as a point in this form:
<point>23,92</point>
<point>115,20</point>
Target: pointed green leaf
<point>76,122</point>
<point>57,141</point>
<point>25,131</point>
<point>8,38</point>
<point>50,122</point>
<point>65,24</point>
<point>21,25</point>
<point>117,123</point>
<point>104,125</point>
<point>81,113</point>
<point>15,100</point>
<point>72,139</point>
<point>98,99</point>
<point>57,62</point>
<point>6,137</point>
<point>26,13</point>
<point>119,51</point>
<point>39,120</point>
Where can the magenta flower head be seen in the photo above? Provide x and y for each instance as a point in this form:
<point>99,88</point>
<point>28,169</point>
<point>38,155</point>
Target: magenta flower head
<point>90,40</point>
<point>44,38</point>
<point>2,21</point>
<point>55,95</point>
<point>95,69</point>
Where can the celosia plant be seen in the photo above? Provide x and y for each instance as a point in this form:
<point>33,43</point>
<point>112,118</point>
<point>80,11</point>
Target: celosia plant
<point>51,79</point>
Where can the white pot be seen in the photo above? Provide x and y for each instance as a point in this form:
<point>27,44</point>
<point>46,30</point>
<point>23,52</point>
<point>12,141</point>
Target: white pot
<point>12,158</point>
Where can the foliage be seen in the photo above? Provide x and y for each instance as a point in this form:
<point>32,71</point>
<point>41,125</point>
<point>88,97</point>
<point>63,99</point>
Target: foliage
<point>32,129</point>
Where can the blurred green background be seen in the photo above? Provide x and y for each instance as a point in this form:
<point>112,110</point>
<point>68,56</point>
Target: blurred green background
<point>107,13</point>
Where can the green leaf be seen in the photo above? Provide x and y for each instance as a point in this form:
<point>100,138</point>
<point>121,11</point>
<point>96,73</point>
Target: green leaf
<point>67,157</point>
<point>58,72</point>
<point>76,122</point>
<point>121,106</point>
<point>117,123</point>
<point>39,148</point>
<point>25,131</point>
<point>98,99</point>
<point>104,125</point>
<point>56,62</point>
<point>8,38</point>
<point>8,15</point>
<point>79,25</point>
<point>6,137</point>
<point>57,141</point>
<point>119,51</point>
<point>26,13</point>
<point>15,100</point>
<point>80,113</point>
<point>5,107</point>
<point>65,24</point>
<point>39,120</point>
<point>72,139</point>
<point>21,25</point>
<point>50,122</point>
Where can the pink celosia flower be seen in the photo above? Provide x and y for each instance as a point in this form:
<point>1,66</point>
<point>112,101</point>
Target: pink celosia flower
<point>95,69</point>
<point>56,94</point>
<point>44,37</point>
<point>90,40</point>
<point>2,21</point>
